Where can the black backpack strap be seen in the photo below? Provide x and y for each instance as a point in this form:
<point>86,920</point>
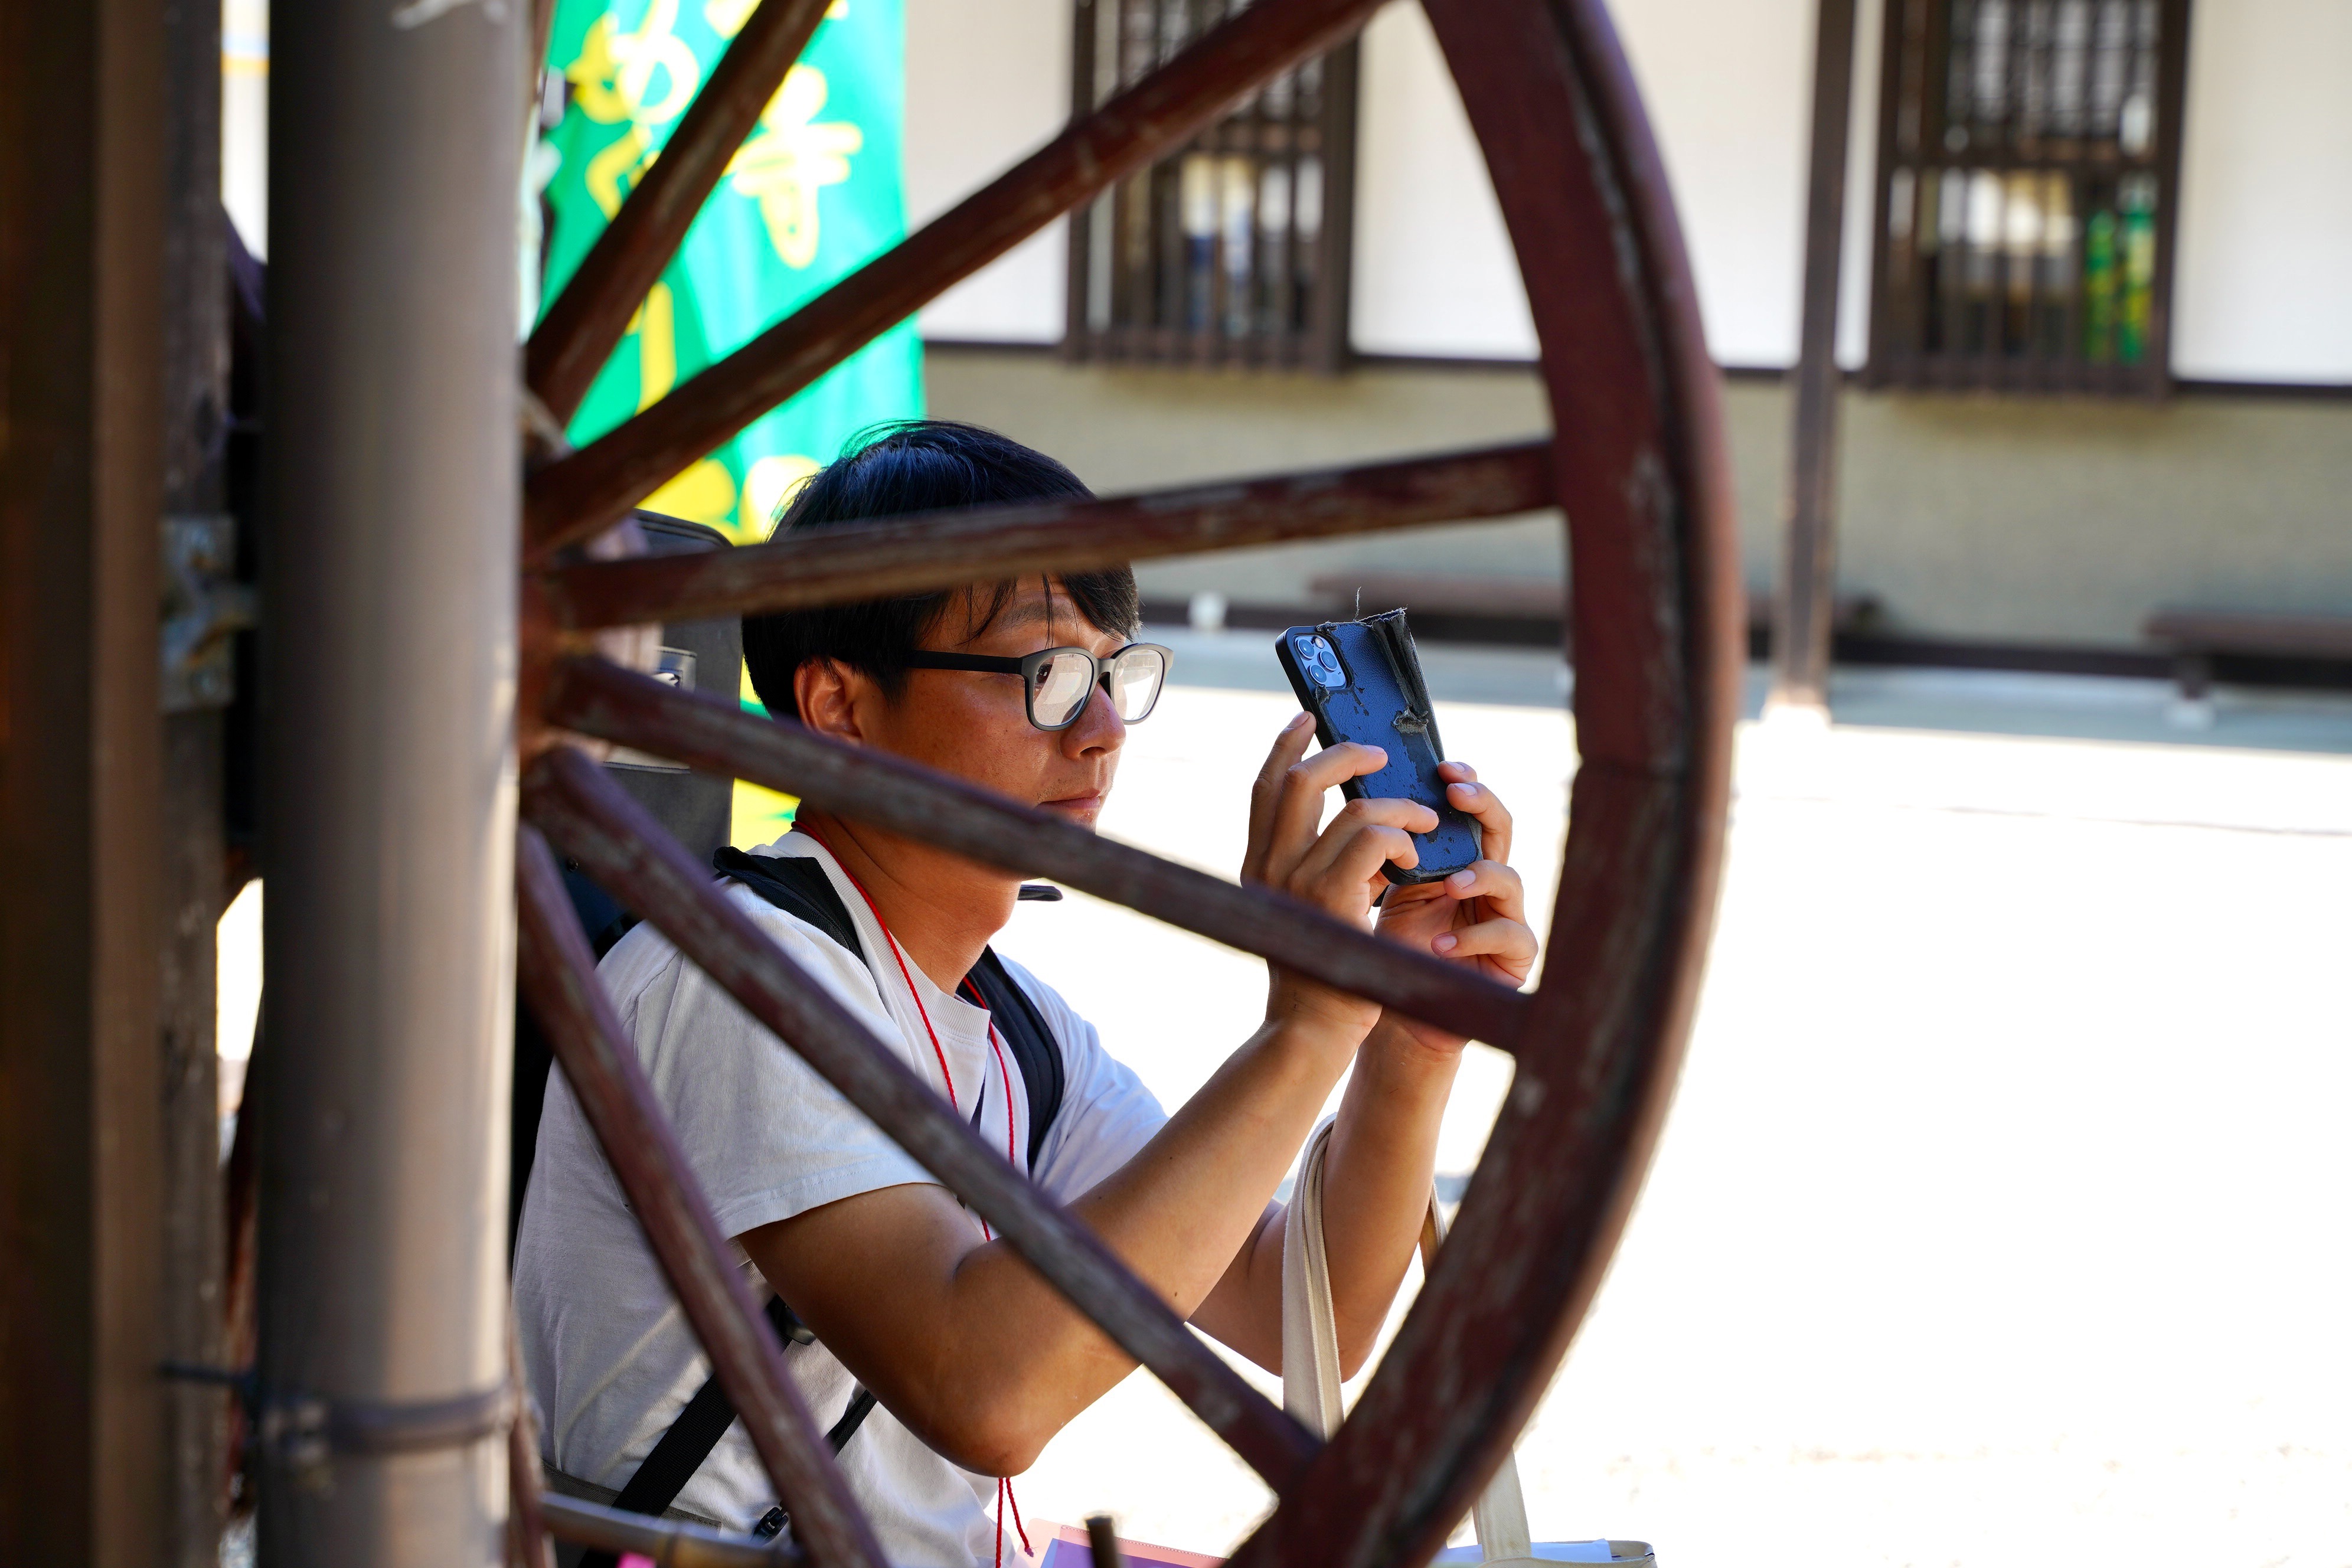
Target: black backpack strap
<point>798,886</point>
<point>696,1431</point>
<point>606,922</point>
<point>601,914</point>
<point>1031,1041</point>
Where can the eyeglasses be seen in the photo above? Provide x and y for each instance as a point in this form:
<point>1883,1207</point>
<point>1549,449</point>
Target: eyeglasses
<point>1057,681</point>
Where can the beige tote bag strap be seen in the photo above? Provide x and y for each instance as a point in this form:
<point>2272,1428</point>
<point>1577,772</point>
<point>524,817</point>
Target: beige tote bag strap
<point>1310,1331</point>
<point>1500,1514</point>
<point>1310,1346</point>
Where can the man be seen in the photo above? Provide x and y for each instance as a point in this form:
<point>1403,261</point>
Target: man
<point>1024,688</point>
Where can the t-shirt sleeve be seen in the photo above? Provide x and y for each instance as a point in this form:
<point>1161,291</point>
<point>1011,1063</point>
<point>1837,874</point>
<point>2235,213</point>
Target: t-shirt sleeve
<point>1107,1115</point>
<point>767,1138</point>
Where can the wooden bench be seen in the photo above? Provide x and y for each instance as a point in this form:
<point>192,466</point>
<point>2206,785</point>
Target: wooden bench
<point>2196,637</point>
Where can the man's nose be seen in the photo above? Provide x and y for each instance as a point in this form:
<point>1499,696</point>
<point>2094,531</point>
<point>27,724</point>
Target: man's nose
<point>1098,728</point>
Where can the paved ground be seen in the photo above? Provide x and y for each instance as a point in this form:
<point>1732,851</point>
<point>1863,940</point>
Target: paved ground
<point>2001,1216</point>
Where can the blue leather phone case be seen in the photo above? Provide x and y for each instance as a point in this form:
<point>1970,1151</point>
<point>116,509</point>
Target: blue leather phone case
<point>1361,681</point>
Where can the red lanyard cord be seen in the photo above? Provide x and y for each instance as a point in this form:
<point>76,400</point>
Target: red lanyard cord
<point>1004,1496</point>
<point>996,1041</point>
<point>904,973</point>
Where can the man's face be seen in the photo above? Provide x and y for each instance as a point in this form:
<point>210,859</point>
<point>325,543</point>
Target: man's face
<point>976,725</point>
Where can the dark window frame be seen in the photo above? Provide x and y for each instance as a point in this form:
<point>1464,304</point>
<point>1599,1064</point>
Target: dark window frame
<point>2053,313</point>
<point>1168,306</point>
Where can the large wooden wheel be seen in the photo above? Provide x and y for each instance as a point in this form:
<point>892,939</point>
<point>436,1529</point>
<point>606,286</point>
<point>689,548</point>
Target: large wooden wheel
<point>1637,462</point>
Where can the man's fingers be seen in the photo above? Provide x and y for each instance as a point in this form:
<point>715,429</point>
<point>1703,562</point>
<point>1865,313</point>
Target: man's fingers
<point>1354,858</point>
<point>1289,745</point>
<point>1335,764</point>
<point>1299,807</point>
<point>1499,885</point>
<point>1388,812</point>
<point>1508,942</point>
<point>1466,794</point>
<point>1365,836</point>
<point>1266,794</point>
<point>1401,817</point>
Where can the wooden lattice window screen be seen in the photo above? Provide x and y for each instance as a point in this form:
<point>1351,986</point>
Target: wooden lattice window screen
<point>1234,250</point>
<point>2029,163</point>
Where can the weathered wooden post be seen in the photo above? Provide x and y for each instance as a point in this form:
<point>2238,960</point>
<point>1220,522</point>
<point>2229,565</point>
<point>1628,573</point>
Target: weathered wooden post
<point>1804,616</point>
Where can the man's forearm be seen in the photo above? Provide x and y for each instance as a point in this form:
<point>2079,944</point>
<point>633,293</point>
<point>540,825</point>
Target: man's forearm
<point>1190,1202</point>
<point>973,1350</point>
<point>1185,1206</point>
<point>1375,1191</point>
<point>1376,1185</point>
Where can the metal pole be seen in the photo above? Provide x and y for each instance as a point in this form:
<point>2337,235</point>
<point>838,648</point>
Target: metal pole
<point>1803,619</point>
<point>388,692</point>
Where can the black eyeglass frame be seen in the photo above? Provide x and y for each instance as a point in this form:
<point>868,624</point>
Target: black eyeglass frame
<point>1026,667</point>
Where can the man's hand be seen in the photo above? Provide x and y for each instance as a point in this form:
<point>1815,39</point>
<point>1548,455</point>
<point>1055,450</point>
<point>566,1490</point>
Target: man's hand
<point>1476,916</point>
<point>1338,869</point>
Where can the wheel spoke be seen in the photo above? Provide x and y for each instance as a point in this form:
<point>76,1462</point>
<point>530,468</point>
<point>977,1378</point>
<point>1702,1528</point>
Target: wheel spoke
<point>559,979</point>
<point>673,1542</point>
<point>581,494</point>
<point>576,337</point>
<point>619,845</point>
<point>717,736</point>
<point>526,1499</point>
<point>910,556</point>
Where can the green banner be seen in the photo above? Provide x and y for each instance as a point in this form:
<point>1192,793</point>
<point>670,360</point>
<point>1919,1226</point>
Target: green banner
<point>814,193</point>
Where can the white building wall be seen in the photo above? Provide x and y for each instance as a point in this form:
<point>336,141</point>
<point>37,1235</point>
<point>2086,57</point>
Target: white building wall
<point>987,82</point>
<point>2264,285</point>
<point>2266,186</point>
<point>1434,274</point>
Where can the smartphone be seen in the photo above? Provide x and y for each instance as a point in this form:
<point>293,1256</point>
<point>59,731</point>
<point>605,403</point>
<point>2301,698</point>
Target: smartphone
<point>1361,680</point>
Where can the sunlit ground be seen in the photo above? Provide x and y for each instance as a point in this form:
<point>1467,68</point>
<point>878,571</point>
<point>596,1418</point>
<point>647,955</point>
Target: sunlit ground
<point>2001,1216</point>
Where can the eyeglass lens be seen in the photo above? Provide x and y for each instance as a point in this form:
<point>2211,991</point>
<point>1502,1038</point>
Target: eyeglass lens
<point>1064,680</point>
<point>1135,677</point>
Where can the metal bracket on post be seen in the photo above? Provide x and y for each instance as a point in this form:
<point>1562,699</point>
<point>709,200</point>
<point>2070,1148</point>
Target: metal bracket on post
<point>204,608</point>
<point>304,1432</point>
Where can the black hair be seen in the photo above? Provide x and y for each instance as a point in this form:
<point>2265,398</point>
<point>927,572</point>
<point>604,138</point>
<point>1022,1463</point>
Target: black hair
<point>889,470</point>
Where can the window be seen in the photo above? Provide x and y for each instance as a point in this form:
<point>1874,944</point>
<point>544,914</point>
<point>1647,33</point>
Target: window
<point>1234,250</point>
<point>2029,161</point>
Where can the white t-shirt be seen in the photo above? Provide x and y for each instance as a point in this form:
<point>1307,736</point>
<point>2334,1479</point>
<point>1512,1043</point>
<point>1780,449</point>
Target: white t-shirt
<point>610,1359</point>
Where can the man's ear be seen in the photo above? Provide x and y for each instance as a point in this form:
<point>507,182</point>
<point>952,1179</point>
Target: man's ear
<point>827,691</point>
